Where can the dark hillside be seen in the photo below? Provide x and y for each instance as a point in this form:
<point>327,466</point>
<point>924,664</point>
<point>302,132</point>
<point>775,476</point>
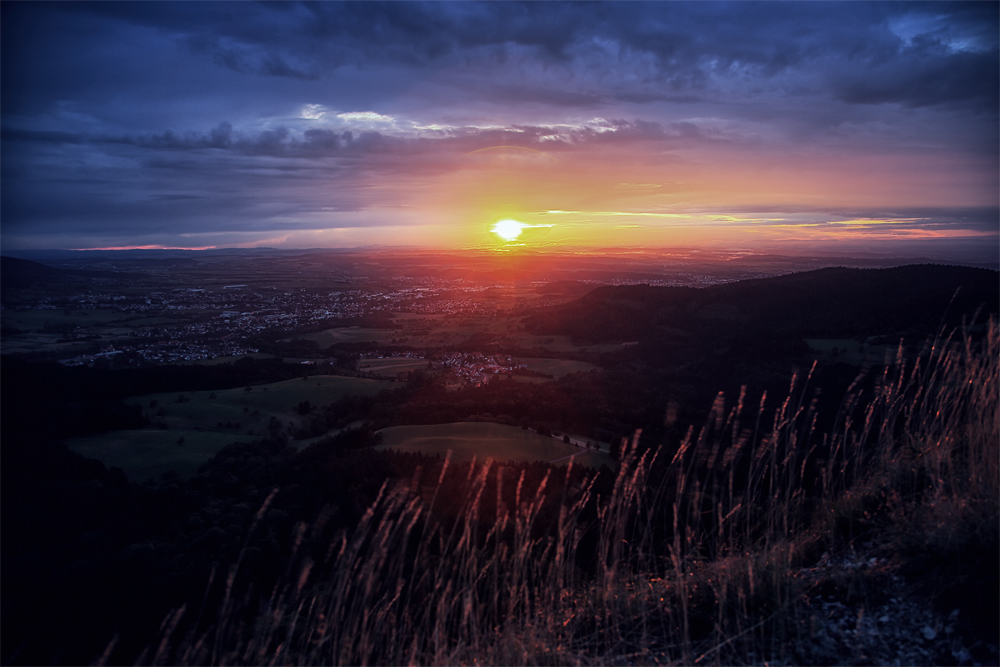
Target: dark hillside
<point>23,280</point>
<point>694,342</point>
<point>22,273</point>
<point>836,302</point>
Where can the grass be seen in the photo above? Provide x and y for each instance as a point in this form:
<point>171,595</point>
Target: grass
<point>556,367</point>
<point>218,361</point>
<point>147,454</point>
<point>690,556</point>
<point>252,409</point>
<point>392,365</point>
<point>207,421</point>
<point>560,343</point>
<point>350,335</point>
<point>466,441</point>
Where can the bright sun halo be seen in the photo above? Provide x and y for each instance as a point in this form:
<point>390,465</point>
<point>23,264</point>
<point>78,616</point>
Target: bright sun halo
<point>508,230</point>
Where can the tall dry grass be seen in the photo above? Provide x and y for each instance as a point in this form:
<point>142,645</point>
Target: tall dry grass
<point>689,559</point>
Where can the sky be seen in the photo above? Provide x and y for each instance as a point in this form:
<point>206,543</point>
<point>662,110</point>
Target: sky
<point>829,126</point>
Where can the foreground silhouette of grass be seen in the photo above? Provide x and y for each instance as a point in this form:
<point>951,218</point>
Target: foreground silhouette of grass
<point>690,558</point>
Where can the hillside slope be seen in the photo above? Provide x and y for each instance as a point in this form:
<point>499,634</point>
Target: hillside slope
<point>834,302</point>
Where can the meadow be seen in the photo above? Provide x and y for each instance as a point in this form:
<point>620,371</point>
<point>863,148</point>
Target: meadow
<point>391,365</point>
<point>194,426</point>
<point>467,441</point>
<point>453,330</point>
<point>146,454</point>
<point>337,335</point>
<point>254,405</point>
<point>557,368</point>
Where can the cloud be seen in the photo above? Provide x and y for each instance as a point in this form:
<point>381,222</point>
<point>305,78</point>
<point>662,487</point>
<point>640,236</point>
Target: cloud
<point>283,113</point>
<point>939,78</point>
<point>247,59</point>
<point>368,116</point>
<point>328,142</point>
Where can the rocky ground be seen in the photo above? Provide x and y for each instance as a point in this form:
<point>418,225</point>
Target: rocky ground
<point>861,611</point>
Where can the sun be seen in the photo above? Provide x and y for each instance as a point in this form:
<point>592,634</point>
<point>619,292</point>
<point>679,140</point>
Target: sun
<point>508,230</point>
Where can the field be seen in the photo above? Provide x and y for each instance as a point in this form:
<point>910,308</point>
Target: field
<point>207,421</point>
<point>482,440</point>
<point>146,454</point>
<point>556,367</point>
<point>392,365</point>
<point>449,330</point>
<point>562,344</point>
<point>350,335</point>
<point>43,329</point>
<point>215,361</point>
<point>253,409</point>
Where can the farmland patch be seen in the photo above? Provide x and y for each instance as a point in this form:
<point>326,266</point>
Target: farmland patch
<point>482,440</point>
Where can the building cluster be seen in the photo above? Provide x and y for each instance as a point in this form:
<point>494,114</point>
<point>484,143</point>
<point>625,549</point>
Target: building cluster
<point>474,368</point>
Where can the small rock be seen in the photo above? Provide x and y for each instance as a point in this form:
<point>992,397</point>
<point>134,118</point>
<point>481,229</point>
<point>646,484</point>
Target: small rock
<point>929,632</point>
<point>884,618</point>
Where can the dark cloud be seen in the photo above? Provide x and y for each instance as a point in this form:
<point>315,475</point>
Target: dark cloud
<point>41,136</point>
<point>931,77</point>
<point>246,60</point>
<point>668,51</point>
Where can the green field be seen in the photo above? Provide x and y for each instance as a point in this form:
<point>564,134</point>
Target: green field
<point>350,335</point>
<point>482,440</point>
<point>556,367</point>
<point>251,409</point>
<point>392,366</point>
<point>561,343</point>
<point>216,361</point>
<point>209,420</point>
<point>147,454</point>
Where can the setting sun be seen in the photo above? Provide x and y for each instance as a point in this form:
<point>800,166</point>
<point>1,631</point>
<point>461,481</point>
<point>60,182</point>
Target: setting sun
<point>508,230</point>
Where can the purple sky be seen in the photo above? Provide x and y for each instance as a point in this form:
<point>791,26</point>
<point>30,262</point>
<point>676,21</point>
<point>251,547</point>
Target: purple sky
<point>827,125</point>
